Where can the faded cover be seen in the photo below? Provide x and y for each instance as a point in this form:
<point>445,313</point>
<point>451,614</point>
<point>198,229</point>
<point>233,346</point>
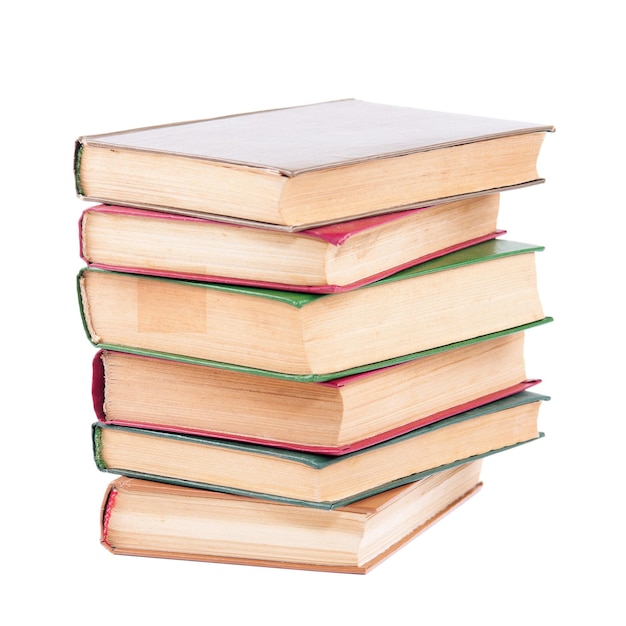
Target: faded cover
<point>109,502</point>
<point>294,140</point>
<point>315,461</point>
<point>332,234</point>
<point>98,395</point>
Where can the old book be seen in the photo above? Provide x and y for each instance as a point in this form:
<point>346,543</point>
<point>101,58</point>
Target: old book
<point>326,259</point>
<point>297,167</point>
<point>312,479</point>
<point>333,417</point>
<point>149,519</point>
<point>486,288</point>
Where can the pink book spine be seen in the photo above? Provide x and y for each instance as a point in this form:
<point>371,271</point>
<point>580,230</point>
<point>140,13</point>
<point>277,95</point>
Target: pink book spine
<point>107,508</point>
<point>97,385</point>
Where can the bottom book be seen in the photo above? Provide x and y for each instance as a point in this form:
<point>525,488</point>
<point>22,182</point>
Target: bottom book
<point>150,519</point>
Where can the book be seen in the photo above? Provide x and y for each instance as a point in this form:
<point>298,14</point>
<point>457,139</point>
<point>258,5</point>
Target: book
<point>332,417</point>
<point>486,288</point>
<point>311,479</point>
<point>327,259</point>
<point>149,519</point>
<point>298,167</point>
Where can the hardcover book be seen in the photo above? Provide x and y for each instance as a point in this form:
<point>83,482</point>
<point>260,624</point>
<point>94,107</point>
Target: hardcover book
<point>327,259</point>
<point>200,525</point>
<point>333,417</point>
<point>486,288</point>
<point>312,479</point>
<point>298,167</point>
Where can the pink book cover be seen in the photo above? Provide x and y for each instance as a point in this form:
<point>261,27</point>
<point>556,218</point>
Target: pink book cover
<point>98,389</point>
<point>334,234</point>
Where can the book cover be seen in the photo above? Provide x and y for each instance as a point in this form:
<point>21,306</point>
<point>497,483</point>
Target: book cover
<point>302,166</point>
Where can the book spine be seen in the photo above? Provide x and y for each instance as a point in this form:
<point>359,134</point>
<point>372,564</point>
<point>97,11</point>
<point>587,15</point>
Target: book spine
<point>97,386</point>
<point>78,153</point>
<point>107,507</point>
<point>97,447</point>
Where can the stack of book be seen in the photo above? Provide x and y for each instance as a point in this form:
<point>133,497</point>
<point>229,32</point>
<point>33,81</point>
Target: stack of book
<point>309,327</point>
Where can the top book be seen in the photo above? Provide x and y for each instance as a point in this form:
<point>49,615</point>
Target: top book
<point>304,166</point>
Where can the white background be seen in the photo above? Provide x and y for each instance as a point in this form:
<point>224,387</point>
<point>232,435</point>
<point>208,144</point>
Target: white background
<point>543,542</point>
